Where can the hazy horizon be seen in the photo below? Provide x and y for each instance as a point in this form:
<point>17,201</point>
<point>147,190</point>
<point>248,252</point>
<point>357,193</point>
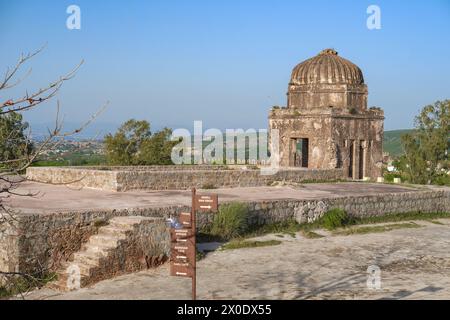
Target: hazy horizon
<point>225,63</point>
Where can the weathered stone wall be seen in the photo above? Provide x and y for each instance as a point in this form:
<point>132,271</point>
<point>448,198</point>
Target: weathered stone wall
<point>365,136</point>
<point>331,133</point>
<point>323,95</point>
<point>311,210</point>
<point>79,177</point>
<point>174,177</point>
<point>314,125</point>
<point>47,240</point>
<point>9,247</point>
<point>217,178</point>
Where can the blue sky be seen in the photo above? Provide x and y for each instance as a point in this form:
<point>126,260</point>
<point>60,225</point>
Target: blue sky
<point>223,62</point>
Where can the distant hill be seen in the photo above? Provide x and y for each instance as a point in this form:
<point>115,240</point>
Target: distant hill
<point>392,142</point>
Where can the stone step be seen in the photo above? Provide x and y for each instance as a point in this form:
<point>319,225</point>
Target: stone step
<point>114,230</point>
<point>123,222</point>
<point>101,251</point>
<point>128,222</point>
<point>105,240</point>
<point>87,257</point>
<point>99,246</point>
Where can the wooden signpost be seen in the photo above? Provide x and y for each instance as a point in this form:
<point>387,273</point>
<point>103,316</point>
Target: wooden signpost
<point>183,242</point>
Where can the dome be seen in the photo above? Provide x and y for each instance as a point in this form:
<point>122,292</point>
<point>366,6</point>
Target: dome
<point>327,68</point>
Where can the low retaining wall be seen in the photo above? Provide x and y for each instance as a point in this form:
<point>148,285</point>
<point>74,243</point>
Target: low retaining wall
<point>49,239</point>
<point>174,177</point>
<point>76,177</point>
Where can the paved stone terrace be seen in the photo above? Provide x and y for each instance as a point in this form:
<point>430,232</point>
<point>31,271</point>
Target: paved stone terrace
<point>60,198</point>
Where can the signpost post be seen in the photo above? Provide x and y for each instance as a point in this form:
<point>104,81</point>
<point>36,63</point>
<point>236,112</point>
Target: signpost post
<point>183,241</point>
<point>194,261</point>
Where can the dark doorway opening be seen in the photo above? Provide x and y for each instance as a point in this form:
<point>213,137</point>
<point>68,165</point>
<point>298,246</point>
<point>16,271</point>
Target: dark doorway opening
<point>361,160</point>
<point>350,163</point>
<point>302,152</point>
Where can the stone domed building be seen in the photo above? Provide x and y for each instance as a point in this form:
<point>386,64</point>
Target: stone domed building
<point>326,123</point>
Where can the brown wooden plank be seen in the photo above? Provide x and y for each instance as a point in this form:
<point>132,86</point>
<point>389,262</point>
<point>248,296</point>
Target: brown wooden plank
<point>185,219</point>
<point>179,269</point>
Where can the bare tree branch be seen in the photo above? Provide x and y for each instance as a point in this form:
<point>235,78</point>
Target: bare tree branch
<point>30,101</point>
<point>11,169</point>
<point>10,74</point>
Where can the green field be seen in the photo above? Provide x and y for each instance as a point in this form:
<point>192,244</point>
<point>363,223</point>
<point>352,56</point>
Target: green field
<point>75,159</point>
<point>392,142</point>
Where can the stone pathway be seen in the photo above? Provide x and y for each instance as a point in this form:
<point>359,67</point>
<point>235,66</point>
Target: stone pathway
<point>414,264</point>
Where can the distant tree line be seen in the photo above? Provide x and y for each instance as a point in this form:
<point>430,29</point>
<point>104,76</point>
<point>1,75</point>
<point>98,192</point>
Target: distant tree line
<point>135,144</point>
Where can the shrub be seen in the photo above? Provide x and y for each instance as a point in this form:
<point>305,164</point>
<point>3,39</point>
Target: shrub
<point>442,180</point>
<point>389,176</point>
<point>334,218</point>
<point>230,221</point>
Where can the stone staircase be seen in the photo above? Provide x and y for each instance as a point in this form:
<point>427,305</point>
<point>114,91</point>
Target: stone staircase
<point>125,245</point>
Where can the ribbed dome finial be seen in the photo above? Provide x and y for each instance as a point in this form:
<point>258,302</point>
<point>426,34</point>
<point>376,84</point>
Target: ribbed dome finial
<point>329,51</point>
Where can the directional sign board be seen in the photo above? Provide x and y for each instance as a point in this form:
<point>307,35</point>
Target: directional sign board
<point>182,252</point>
<point>205,203</point>
<point>182,241</point>
<point>186,219</point>
<point>181,269</point>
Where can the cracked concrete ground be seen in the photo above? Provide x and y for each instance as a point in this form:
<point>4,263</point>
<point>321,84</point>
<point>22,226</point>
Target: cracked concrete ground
<point>414,263</point>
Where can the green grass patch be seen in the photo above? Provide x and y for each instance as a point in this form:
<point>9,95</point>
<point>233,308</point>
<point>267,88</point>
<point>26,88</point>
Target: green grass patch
<point>289,227</point>
<point>199,255</point>
<point>18,284</point>
<point>333,219</point>
<point>239,244</point>
<point>311,234</point>
<point>208,186</point>
<point>436,222</point>
<point>375,229</point>
<point>280,229</point>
